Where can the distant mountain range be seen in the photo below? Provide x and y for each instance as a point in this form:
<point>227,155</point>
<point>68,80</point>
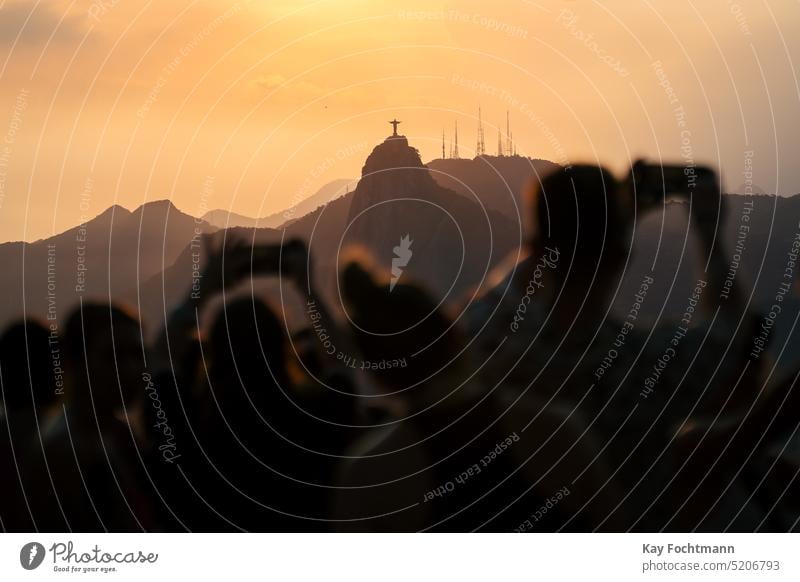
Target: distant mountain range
<point>460,217</point>
<point>102,259</point>
<point>455,242</point>
<point>328,192</point>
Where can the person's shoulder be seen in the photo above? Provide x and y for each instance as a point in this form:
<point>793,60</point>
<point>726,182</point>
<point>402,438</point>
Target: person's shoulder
<point>491,310</point>
<point>386,440</point>
<point>503,276</point>
<point>376,439</point>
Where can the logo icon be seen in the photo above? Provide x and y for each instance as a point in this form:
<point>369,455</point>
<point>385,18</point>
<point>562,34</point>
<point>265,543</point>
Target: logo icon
<point>402,254</point>
<point>31,555</point>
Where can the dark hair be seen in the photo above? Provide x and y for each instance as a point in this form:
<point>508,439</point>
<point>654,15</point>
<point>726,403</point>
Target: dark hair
<point>247,334</point>
<point>396,325</point>
<point>28,368</point>
<point>92,323</point>
<point>581,208</point>
<point>89,331</point>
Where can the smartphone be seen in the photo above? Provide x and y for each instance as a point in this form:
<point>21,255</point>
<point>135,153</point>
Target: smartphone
<point>652,183</point>
<point>267,259</point>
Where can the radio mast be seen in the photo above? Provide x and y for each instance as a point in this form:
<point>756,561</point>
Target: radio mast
<point>508,133</point>
<point>499,143</point>
<point>481,149</point>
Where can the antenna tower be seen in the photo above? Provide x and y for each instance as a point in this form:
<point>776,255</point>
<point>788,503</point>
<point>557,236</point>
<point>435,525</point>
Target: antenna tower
<point>481,149</point>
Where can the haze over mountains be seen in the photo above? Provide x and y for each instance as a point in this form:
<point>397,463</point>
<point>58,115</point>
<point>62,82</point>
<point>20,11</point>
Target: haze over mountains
<point>455,241</point>
<point>99,260</point>
<point>460,216</point>
<point>330,191</point>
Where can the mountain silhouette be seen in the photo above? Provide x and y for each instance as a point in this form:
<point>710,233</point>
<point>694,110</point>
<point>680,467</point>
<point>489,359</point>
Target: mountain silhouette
<point>448,239</point>
<point>456,240</point>
<point>330,191</point>
<point>99,260</point>
<point>499,182</point>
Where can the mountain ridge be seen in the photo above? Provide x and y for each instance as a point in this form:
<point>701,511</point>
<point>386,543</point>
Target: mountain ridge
<point>143,256</point>
<point>327,193</point>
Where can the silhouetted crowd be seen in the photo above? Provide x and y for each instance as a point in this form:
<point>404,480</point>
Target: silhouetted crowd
<point>530,405</point>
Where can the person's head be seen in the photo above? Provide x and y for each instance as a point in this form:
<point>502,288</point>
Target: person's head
<point>582,210</point>
<point>402,335</point>
<point>246,336</point>
<point>29,369</point>
<point>104,357</point>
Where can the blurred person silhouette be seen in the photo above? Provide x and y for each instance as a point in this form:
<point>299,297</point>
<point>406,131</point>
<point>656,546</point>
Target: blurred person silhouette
<point>262,436</point>
<point>446,427</point>
<point>560,342</point>
<point>747,462</point>
<point>31,376</point>
<point>28,366</point>
<point>577,243</point>
<point>96,478</point>
<point>711,373</point>
<point>739,461</point>
<point>258,451</point>
<point>544,318</point>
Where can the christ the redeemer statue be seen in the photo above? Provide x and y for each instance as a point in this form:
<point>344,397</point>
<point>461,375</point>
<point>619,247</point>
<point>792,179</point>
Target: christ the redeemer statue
<point>395,123</point>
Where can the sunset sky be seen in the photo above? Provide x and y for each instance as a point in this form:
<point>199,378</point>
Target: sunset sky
<point>123,102</point>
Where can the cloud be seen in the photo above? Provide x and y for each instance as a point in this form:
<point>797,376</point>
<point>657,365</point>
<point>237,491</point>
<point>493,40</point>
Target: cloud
<point>296,88</point>
<point>270,82</point>
<point>35,23</point>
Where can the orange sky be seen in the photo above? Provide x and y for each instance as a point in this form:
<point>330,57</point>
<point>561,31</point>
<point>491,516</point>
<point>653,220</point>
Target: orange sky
<point>112,101</point>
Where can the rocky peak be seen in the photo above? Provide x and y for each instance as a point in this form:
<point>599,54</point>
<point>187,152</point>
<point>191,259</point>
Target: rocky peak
<point>394,169</point>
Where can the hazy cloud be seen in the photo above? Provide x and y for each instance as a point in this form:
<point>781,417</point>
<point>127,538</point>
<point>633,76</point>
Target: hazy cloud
<point>37,23</point>
<point>296,88</point>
